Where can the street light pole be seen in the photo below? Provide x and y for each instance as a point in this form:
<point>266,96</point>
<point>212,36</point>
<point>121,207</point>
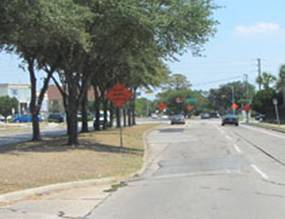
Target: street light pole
<point>233,98</point>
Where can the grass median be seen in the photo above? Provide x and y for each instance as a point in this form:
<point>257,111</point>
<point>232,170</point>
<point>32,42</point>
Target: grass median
<point>50,161</point>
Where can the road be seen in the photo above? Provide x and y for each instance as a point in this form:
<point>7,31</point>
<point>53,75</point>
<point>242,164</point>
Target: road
<point>202,171</point>
<point>53,131</point>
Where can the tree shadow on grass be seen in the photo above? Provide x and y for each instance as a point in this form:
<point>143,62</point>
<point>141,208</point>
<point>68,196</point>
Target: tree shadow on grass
<point>50,145</point>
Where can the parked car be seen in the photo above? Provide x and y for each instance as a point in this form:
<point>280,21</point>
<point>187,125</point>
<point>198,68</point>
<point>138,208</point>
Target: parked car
<point>260,117</point>
<point>56,117</point>
<point>205,116</point>
<point>214,115</point>
<point>230,119</point>
<point>2,118</point>
<point>178,119</point>
<point>101,119</point>
<point>24,118</point>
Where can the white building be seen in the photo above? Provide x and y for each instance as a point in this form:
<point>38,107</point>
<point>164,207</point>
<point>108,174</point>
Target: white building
<point>22,92</point>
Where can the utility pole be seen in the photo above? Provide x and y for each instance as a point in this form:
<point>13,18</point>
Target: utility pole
<point>246,95</point>
<point>259,71</point>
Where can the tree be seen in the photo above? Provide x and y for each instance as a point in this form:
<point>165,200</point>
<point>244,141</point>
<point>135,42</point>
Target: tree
<point>35,32</point>
<point>221,99</point>
<point>281,78</point>
<point>177,82</point>
<point>7,104</point>
<point>103,42</point>
<point>266,79</point>
<point>262,101</point>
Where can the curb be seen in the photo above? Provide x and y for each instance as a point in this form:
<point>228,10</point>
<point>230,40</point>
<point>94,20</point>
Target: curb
<point>267,128</point>
<point>21,195</point>
<point>146,156</point>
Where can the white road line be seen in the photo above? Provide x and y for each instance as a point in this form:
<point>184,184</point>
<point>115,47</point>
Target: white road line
<point>261,173</point>
<point>237,148</point>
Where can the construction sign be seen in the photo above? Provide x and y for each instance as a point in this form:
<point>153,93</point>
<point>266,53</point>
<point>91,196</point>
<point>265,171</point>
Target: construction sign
<point>119,95</point>
<point>162,106</point>
<point>247,107</point>
<point>235,106</point>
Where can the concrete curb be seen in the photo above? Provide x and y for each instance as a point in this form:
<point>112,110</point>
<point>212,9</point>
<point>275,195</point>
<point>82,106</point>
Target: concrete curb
<point>146,160</point>
<point>21,195</point>
<point>276,129</point>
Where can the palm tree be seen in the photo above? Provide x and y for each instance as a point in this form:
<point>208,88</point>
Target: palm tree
<point>266,79</point>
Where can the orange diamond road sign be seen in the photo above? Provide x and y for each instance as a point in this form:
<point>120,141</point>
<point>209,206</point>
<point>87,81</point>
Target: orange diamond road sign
<point>119,95</point>
<point>190,108</point>
<point>234,106</point>
<point>162,106</point>
<point>247,107</point>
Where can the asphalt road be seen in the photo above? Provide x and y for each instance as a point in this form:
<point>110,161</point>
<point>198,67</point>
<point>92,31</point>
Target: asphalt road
<point>203,171</point>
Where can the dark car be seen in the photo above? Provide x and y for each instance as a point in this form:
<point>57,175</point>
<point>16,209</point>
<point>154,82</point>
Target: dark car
<point>56,117</point>
<point>214,115</point>
<point>177,119</point>
<point>260,117</point>
<point>230,119</point>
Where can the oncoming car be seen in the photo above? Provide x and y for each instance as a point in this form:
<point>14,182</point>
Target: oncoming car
<point>177,119</point>
<point>230,119</point>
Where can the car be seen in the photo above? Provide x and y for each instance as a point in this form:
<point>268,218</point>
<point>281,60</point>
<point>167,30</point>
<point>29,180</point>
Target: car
<point>2,118</point>
<point>24,118</point>
<point>101,119</point>
<point>165,117</point>
<point>260,117</point>
<point>214,115</point>
<point>205,116</point>
<point>56,117</point>
<point>230,119</point>
<point>178,119</point>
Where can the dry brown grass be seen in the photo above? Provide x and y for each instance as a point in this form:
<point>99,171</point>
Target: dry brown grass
<point>51,161</point>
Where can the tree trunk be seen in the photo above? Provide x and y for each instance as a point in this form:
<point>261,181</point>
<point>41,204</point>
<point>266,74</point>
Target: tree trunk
<point>33,104</point>
<point>84,113</point>
<point>97,110</point>
<point>118,117</point>
<point>105,125</point>
<point>111,116</point>
<point>125,117</point>
<point>72,110</point>
<point>134,107</point>
<point>129,117</point>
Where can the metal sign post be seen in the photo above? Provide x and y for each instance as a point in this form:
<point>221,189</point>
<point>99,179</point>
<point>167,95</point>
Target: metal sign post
<point>275,103</point>
<point>119,95</point>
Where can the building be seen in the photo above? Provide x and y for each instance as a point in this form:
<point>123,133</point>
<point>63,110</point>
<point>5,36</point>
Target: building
<point>55,101</point>
<point>22,92</point>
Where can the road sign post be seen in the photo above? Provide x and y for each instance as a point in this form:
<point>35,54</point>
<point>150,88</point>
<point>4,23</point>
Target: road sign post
<point>119,95</point>
<point>275,103</point>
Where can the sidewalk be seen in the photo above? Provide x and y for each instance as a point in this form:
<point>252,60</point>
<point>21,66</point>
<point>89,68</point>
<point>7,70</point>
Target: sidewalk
<point>270,126</point>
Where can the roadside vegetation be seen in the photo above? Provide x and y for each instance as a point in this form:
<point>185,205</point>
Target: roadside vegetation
<point>77,44</point>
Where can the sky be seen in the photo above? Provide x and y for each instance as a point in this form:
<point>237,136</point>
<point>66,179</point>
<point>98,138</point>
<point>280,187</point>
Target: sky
<point>248,29</point>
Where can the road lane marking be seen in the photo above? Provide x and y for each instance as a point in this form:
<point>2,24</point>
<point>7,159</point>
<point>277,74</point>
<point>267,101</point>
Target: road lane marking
<point>237,148</point>
<point>260,172</point>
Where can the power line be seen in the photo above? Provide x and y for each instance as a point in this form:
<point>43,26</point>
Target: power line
<point>217,81</point>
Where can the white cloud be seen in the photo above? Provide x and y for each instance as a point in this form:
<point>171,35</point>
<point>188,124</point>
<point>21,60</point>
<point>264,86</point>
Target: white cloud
<point>260,28</point>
